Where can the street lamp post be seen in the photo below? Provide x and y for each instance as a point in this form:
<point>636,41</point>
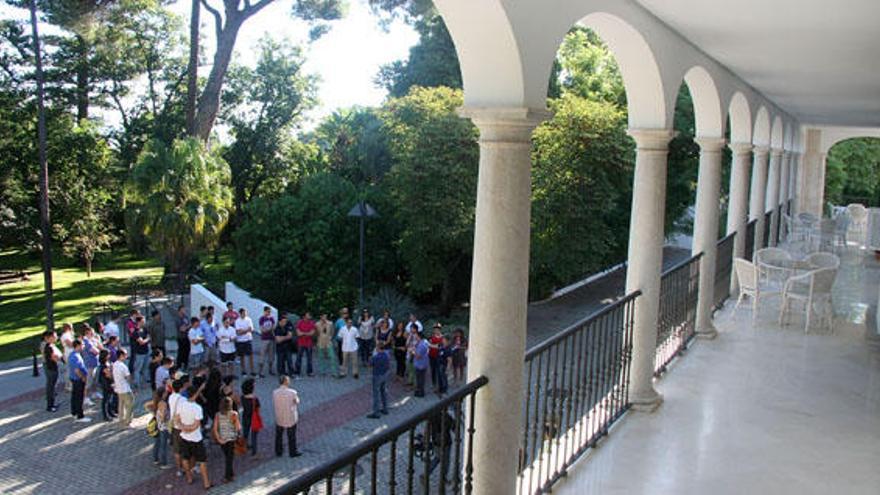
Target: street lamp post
<point>362,211</point>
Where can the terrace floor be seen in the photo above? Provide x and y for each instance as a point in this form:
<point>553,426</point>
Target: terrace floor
<point>761,409</point>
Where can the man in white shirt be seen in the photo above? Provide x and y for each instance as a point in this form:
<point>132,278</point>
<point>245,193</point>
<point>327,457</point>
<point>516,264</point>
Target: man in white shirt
<point>122,387</point>
<point>188,419</point>
<point>111,328</point>
<point>414,322</point>
<point>226,341</point>
<point>196,342</point>
<point>67,338</point>
<point>348,336</point>
<point>173,401</point>
<point>244,330</point>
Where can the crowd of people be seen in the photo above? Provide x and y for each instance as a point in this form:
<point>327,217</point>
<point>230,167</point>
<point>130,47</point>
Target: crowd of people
<point>198,395</point>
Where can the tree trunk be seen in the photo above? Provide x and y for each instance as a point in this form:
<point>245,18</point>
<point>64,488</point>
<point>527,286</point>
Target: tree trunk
<point>209,101</point>
<point>45,226</point>
<point>88,267</point>
<point>192,71</point>
<point>82,80</point>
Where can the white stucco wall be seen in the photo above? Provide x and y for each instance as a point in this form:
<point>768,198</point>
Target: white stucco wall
<point>241,298</point>
<point>200,296</point>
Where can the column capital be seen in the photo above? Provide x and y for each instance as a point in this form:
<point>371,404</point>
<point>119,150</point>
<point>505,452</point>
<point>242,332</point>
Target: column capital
<point>776,152</point>
<point>761,150</point>
<point>652,139</point>
<point>740,148</point>
<point>710,144</point>
<point>505,124</point>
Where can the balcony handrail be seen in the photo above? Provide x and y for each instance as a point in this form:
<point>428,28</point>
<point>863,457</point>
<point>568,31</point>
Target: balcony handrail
<point>681,264</point>
<point>353,454</point>
<point>574,327</point>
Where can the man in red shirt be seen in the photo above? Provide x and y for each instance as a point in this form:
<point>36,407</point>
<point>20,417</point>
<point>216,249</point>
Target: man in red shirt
<point>305,341</point>
<point>230,314</point>
<point>434,344</point>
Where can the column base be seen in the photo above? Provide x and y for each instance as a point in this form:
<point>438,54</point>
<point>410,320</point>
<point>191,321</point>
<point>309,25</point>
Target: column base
<point>647,401</point>
<point>707,332</point>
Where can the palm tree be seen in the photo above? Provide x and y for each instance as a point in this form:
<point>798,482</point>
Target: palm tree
<point>181,199</point>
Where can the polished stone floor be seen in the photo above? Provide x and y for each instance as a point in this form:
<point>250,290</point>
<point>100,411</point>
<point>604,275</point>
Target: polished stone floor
<point>762,409</point>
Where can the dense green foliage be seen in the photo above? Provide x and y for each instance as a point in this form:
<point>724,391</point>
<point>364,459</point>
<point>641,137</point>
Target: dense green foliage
<point>853,172</point>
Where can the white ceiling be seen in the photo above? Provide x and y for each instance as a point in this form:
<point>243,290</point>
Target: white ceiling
<point>817,59</point>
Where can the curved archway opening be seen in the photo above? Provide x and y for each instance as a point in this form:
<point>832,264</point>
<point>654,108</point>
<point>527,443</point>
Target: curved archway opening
<point>761,132</point>
<point>852,173</point>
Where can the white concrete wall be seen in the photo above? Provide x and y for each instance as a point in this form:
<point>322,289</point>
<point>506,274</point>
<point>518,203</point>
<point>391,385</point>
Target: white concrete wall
<point>200,296</point>
<point>241,298</point>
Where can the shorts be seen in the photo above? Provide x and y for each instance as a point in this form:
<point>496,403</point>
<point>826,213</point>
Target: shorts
<point>175,441</point>
<point>193,451</point>
<point>244,348</point>
<point>225,358</point>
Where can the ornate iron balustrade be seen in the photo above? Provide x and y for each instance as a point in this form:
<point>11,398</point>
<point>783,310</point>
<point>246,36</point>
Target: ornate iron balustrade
<point>432,446</point>
<point>577,386</point>
<point>679,288</point>
<point>723,269</point>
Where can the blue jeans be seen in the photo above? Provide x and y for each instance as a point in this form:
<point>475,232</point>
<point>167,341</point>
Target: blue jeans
<point>195,359</point>
<point>380,393</point>
<point>140,367</point>
<point>160,448</point>
<point>442,379</point>
<point>308,352</point>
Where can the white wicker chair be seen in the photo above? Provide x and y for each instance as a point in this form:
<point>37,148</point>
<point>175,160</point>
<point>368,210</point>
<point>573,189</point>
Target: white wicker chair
<point>813,289</point>
<point>858,222</point>
<point>747,279</point>
<point>773,278</point>
<point>823,260</point>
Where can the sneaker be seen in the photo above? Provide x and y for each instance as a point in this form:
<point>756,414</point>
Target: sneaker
<point>384,411</point>
<point>296,454</point>
<point>88,402</point>
<point>52,409</point>
<point>373,416</point>
<point>83,420</point>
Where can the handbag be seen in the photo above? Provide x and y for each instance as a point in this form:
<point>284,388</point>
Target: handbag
<point>153,427</point>
<point>240,446</point>
<point>257,421</point>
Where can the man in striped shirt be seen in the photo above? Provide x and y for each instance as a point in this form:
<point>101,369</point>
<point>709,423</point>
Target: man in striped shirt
<point>285,401</point>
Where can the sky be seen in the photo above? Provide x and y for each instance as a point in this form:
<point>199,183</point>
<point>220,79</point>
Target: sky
<point>346,59</point>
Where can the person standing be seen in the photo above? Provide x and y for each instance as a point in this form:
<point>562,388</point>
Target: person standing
<point>365,337</point>
<point>230,313</point>
<point>226,430</point>
<point>459,355</point>
<point>267,339</point>
<point>444,356</point>
<point>414,323</point>
<point>285,402</point>
<point>140,352</point>
<point>183,326</point>
<point>78,376</point>
<point>348,337</point>
<point>434,353</point>
<point>196,341</point>
<point>51,357</point>
<point>122,387</point>
<point>381,364</point>
<point>91,350</point>
<point>159,407</point>
<point>386,317</point>
<point>420,363</point>
<point>111,329</point>
<point>67,338</point>
<point>384,335</point>
<point>209,331</point>
<point>252,423</point>
<point>305,341</point>
<point>244,338</point>
<point>156,330</point>
<point>399,343</point>
<point>324,329</point>
<point>226,339</point>
<point>192,447</point>
<point>105,381</point>
<point>340,322</point>
<point>284,345</point>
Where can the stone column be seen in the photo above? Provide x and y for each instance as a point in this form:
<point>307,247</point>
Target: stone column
<point>758,192</point>
<point>706,230</point>
<point>783,183</point>
<point>499,291</point>
<point>737,208</point>
<point>793,181</point>
<point>646,258</point>
<point>772,198</point>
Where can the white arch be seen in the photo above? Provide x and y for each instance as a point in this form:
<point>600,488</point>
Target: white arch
<point>707,104</point>
<point>834,135</point>
<point>776,134</point>
<point>761,134</point>
<point>491,66</point>
<point>638,67</point>
<point>740,119</point>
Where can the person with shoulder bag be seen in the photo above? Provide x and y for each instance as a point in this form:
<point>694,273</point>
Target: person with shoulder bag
<point>227,430</point>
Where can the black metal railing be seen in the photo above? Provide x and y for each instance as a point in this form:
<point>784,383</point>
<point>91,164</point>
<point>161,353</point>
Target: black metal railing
<point>723,269</point>
<point>577,386</point>
<point>415,456</point>
<point>767,219</point>
<point>679,288</point>
<point>750,240</point>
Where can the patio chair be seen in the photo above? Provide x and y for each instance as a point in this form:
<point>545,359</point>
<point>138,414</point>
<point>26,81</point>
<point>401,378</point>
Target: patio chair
<point>841,225</point>
<point>794,229</point>
<point>858,221</point>
<point>826,235</point>
<point>807,219</point>
<point>747,279</point>
<point>814,290</point>
<point>823,260</point>
<point>767,273</point>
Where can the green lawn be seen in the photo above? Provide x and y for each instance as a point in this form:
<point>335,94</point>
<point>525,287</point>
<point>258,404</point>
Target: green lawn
<point>77,297</point>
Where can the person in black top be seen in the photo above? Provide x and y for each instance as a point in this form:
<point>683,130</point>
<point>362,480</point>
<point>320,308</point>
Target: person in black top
<point>284,345</point>
<point>399,346</point>
<point>105,381</point>
<point>51,357</point>
<point>183,326</point>
<point>444,354</point>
